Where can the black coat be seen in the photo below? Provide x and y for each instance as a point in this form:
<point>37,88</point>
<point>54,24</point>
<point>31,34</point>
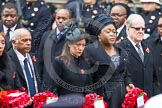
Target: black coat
<point>49,45</point>
<point>113,89</point>
<point>151,20</point>
<point>39,19</point>
<point>156,44</point>
<point>20,72</point>
<point>8,74</point>
<point>143,74</point>
<point>75,76</point>
<point>9,46</point>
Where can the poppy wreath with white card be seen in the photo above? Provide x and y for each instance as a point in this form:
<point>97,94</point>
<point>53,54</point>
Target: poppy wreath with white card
<point>94,101</point>
<point>135,98</point>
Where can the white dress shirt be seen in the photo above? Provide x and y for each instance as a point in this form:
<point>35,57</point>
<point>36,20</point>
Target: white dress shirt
<point>11,32</point>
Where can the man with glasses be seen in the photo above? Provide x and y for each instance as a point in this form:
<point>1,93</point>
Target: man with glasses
<point>141,65</point>
<point>119,12</point>
<point>156,43</point>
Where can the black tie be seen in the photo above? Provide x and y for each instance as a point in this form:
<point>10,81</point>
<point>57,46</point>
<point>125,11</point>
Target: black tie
<point>140,52</point>
<point>29,78</point>
<point>8,39</point>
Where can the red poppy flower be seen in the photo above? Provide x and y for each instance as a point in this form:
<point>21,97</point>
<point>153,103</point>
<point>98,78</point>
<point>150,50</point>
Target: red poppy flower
<point>40,98</point>
<point>34,59</point>
<point>148,50</point>
<point>14,99</point>
<point>89,100</point>
<point>131,98</point>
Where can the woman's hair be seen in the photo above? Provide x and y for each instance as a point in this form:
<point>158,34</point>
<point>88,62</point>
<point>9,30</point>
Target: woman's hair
<point>65,55</point>
<point>2,34</point>
<point>73,35</point>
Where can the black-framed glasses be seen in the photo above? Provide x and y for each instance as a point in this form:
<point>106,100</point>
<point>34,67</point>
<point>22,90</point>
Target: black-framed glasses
<point>117,15</point>
<point>138,28</point>
<point>159,25</point>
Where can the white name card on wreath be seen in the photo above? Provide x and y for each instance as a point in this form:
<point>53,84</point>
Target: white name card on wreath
<point>140,101</point>
<point>98,103</point>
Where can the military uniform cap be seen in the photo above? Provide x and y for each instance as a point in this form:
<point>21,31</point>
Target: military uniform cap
<point>154,1</point>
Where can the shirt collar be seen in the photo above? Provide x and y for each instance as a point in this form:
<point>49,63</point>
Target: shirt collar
<point>120,29</point>
<point>134,44</point>
<point>12,28</point>
<point>57,31</point>
<point>20,56</point>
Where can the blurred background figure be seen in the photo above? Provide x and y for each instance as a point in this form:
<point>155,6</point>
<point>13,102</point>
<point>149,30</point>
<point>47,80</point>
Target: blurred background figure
<point>37,19</point>
<point>84,10</point>
<point>8,75</point>
<point>108,4</point>
<point>156,44</point>
<point>154,102</point>
<point>76,101</point>
<point>151,12</point>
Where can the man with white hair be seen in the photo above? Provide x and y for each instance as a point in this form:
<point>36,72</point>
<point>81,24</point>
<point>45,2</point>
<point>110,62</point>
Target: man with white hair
<point>141,65</point>
<point>25,64</point>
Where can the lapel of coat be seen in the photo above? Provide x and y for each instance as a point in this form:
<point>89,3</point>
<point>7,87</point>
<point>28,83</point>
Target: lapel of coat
<point>122,33</point>
<point>17,63</point>
<point>146,51</point>
<point>134,52</point>
<point>1,27</point>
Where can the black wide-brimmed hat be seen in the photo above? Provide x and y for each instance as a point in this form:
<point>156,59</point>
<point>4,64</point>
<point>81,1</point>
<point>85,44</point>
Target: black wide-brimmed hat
<point>96,24</point>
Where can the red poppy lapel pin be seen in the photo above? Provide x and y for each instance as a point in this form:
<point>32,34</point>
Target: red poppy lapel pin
<point>121,39</point>
<point>147,50</point>
<point>14,75</point>
<point>82,71</point>
<point>34,59</point>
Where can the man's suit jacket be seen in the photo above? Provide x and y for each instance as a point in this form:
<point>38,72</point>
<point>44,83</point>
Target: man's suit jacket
<point>122,34</point>
<point>9,46</point>
<point>156,44</point>
<point>49,44</point>
<point>143,74</point>
<point>20,72</point>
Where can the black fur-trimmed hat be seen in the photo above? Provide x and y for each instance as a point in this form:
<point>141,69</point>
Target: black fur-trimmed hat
<point>95,25</point>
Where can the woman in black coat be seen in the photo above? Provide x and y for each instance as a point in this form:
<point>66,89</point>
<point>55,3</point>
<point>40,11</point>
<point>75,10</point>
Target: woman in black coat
<point>71,66</point>
<point>8,77</point>
<point>112,59</point>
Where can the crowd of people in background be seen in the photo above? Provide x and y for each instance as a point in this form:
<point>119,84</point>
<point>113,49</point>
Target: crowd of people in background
<point>103,44</point>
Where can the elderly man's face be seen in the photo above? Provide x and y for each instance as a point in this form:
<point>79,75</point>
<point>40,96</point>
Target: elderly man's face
<point>23,43</point>
<point>136,31</point>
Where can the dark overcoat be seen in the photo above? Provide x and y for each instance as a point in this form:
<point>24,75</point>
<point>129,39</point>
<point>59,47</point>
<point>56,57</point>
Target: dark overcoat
<point>113,89</point>
<point>73,77</point>
<point>143,74</point>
